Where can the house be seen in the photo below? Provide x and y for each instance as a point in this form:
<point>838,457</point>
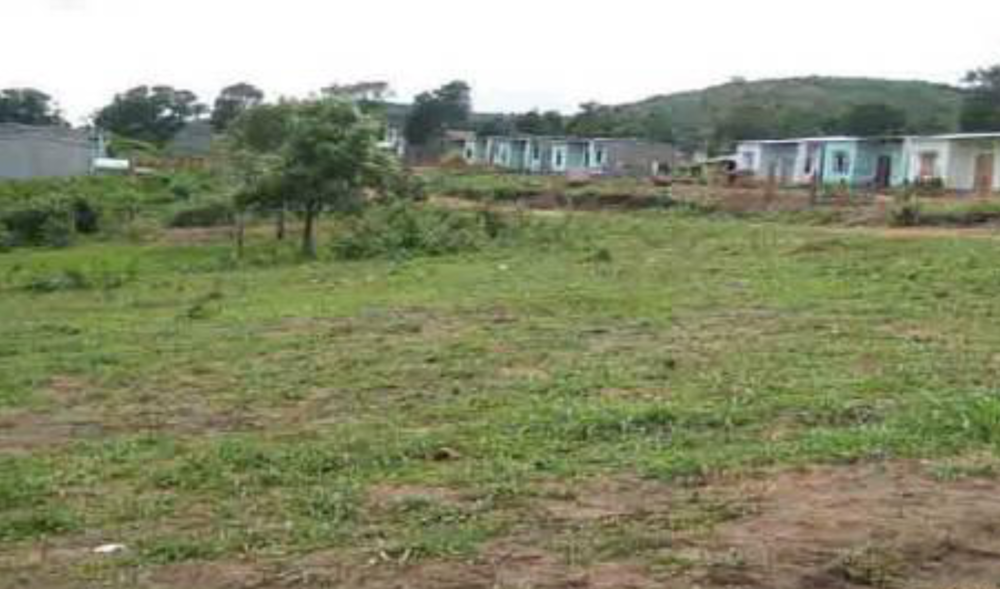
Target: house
<point>44,152</point>
<point>849,161</point>
<point>968,162</point>
<point>460,144</point>
<point>877,162</point>
<point>575,155</point>
<point>194,140</point>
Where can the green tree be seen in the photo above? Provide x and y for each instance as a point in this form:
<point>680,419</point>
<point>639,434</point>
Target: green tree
<point>254,143</point>
<point>448,107</point>
<point>154,114</point>
<point>330,158</point>
<point>28,106</point>
<point>232,102</point>
<point>981,106</point>
<point>866,120</point>
<point>537,123</point>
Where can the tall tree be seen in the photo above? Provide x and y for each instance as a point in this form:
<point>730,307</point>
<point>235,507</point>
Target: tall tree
<point>866,120</point>
<point>28,106</point>
<point>232,102</point>
<point>538,123</point>
<point>153,114</point>
<point>981,108</point>
<point>448,107</point>
<point>331,156</point>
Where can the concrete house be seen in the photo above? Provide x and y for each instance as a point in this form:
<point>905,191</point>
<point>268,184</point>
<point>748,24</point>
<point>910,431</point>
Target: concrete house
<point>46,152</point>
<point>874,162</point>
<point>850,161</point>
<point>968,162</point>
<point>575,155</point>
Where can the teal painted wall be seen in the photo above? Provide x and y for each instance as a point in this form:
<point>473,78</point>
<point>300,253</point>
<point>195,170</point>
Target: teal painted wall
<point>831,173</point>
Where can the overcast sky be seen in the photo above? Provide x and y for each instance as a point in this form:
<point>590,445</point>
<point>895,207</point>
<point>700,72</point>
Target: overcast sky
<point>517,54</point>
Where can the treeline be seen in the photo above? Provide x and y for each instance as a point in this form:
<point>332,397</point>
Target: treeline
<point>155,114</point>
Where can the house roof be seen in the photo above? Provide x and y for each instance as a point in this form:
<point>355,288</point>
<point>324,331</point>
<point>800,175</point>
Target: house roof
<point>961,136</point>
<point>14,131</point>
<point>802,140</point>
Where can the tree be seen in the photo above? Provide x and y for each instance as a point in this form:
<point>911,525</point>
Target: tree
<point>28,106</point>
<point>153,114</point>
<point>867,120</point>
<point>255,141</point>
<point>448,107</point>
<point>981,108</point>
<point>331,156</point>
<point>232,102</point>
<point>536,123</point>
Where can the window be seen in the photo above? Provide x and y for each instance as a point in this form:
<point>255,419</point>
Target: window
<point>600,157</point>
<point>841,162</point>
<point>928,165</point>
<point>559,159</point>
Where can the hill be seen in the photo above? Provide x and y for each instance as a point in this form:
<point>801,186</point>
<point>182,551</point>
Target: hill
<point>794,106</point>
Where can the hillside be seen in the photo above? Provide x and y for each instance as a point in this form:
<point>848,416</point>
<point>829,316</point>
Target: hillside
<point>798,105</point>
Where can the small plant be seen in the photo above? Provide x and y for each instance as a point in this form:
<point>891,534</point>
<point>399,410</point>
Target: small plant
<point>60,281</point>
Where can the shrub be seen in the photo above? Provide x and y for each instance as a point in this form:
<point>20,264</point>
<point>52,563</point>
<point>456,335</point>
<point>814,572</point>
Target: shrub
<point>37,224</point>
<point>401,230</point>
<point>209,214</point>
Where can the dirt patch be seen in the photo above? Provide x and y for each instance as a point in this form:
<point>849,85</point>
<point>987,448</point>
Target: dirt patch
<point>875,526</point>
<point>389,496</point>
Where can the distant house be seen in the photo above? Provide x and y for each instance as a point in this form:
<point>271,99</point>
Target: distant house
<point>967,162</point>
<point>45,152</point>
<point>850,161</point>
<point>575,155</point>
<point>194,140</point>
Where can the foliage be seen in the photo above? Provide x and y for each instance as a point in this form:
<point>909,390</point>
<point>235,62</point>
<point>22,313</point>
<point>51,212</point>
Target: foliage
<point>981,108</point>
<point>872,120</point>
<point>154,114</point>
<point>330,158</point>
<point>28,106</point>
<point>232,102</point>
<point>450,106</point>
<point>536,123</point>
<point>794,106</point>
<point>401,230</point>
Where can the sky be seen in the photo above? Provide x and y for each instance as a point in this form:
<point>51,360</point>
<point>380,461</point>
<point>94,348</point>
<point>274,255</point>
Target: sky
<point>516,54</point>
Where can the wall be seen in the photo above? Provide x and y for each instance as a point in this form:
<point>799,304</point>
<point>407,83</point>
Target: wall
<point>913,150</point>
<point>778,162</point>
<point>39,155</point>
<point>635,158</point>
<point>749,158</point>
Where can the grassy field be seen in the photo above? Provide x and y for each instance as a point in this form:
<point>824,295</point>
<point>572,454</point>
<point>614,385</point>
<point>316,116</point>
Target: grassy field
<point>626,400</point>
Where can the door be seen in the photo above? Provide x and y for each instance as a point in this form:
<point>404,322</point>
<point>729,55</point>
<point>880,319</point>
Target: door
<point>883,172</point>
<point>984,174</point>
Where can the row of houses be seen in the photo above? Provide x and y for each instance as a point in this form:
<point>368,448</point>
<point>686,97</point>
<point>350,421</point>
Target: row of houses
<point>961,162</point>
<point>563,155</point>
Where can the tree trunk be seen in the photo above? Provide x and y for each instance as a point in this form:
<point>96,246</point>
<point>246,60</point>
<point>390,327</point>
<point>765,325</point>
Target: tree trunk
<point>280,228</point>
<point>240,233</point>
<point>309,233</point>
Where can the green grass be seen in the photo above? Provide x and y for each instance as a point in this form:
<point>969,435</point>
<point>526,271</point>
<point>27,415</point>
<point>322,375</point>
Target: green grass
<point>200,409</point>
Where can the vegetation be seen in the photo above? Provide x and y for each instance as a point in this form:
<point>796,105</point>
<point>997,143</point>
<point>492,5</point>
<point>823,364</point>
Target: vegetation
<point>232,102</point>
<point>795,107</point>
<point>438,379</point>
<point>450,106</point>
<point>28,106</point>
<point>153,114</point>
<point>981,110</point>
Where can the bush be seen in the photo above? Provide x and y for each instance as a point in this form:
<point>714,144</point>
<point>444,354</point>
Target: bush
<point>39,224</point>
<point>402,230</point>
<point>209,214</point>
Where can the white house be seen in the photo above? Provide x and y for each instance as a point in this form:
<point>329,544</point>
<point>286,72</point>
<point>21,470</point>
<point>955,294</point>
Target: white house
<point>968,162</point>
